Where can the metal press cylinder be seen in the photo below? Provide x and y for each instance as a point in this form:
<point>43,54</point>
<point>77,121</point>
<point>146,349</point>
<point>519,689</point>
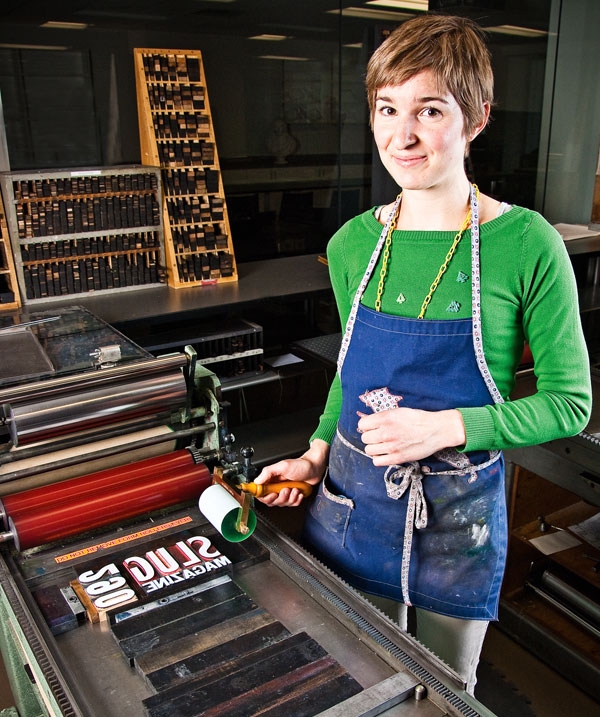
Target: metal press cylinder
<point>93,483</point>
<point>68,413</point>
<point>571,596</point>
<point>82,513</point>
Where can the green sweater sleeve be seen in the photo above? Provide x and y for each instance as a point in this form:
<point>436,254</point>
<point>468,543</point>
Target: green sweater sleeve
<point>340,270</point>
<point>338,273</point>
<point>548,308</point>
<point>528,293</point>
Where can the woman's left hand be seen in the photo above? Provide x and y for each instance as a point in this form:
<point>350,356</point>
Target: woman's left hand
<point>400,435</point>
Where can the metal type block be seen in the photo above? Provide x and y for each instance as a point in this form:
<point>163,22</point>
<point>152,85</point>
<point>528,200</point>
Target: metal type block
<point>172,612</point>
<point>186,624</point>
<point>377,699</point>
<point>146,606</point>
<point>220,657</point>
<point>250,691</point>
<point>74,603</point>
<point>56,610</point>
<point>198,642</point>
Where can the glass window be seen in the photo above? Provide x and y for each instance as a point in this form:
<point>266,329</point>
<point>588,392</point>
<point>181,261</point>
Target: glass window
<point>285,84</point>
<point>48,99</point>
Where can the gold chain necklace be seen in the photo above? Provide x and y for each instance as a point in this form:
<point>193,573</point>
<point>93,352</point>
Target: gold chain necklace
<point>442,270</point>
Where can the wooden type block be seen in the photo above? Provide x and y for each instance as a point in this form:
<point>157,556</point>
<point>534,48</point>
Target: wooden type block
<point>195,643</point>
<point>186,624</point>
<point>90,610</point>
<point>176,610</point>
<point>305,700</point>
<point>234,680</point>
<point>208,556</point>
<point>219,658</point>
<point>305,690</point>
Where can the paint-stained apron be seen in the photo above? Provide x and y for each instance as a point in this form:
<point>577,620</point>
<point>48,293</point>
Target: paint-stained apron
<point>430,533</point>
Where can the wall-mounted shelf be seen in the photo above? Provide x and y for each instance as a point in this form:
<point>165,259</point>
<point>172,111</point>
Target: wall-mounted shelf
<point>176,134</point>
<point>80,231</point>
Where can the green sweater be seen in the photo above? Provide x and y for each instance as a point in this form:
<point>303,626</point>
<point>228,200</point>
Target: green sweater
<point>528,294</point>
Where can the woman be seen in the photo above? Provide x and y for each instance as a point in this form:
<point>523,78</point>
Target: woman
<point>437,306</point>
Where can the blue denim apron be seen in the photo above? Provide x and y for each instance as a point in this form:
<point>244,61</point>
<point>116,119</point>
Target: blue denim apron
<point>430,533</point>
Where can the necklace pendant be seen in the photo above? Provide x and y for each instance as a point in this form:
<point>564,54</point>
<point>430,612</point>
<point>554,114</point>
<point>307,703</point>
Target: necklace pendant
<point>401,298</point>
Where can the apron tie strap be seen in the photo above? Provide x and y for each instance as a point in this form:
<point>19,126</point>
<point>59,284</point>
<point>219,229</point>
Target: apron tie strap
<point>397,480</point>
<point>463,464</point>
<point>409,476</point>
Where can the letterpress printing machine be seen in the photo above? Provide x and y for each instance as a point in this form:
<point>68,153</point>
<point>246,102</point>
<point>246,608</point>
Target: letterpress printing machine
<point>118,597</point>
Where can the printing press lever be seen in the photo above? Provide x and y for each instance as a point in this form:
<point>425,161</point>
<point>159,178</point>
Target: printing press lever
<point>228,452</point>
<point>249,470</point>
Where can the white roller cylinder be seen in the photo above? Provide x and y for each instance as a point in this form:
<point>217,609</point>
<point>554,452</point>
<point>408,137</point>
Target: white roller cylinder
<point>222,510</point>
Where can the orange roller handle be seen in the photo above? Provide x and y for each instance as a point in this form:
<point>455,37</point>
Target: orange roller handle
<point>260,489</point>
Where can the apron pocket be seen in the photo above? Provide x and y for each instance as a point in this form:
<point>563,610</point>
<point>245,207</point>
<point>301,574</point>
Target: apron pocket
<point>328,516</point>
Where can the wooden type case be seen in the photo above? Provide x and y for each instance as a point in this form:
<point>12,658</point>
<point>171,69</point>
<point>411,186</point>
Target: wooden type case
<point>9,287</point>
<point>76,231</point>
<point>176,134</point>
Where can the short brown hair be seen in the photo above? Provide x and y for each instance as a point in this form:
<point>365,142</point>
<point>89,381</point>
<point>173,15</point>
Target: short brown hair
<point>452,47</point>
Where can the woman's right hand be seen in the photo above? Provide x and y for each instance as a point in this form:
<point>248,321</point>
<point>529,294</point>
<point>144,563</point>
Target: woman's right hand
<point>309,468</point>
